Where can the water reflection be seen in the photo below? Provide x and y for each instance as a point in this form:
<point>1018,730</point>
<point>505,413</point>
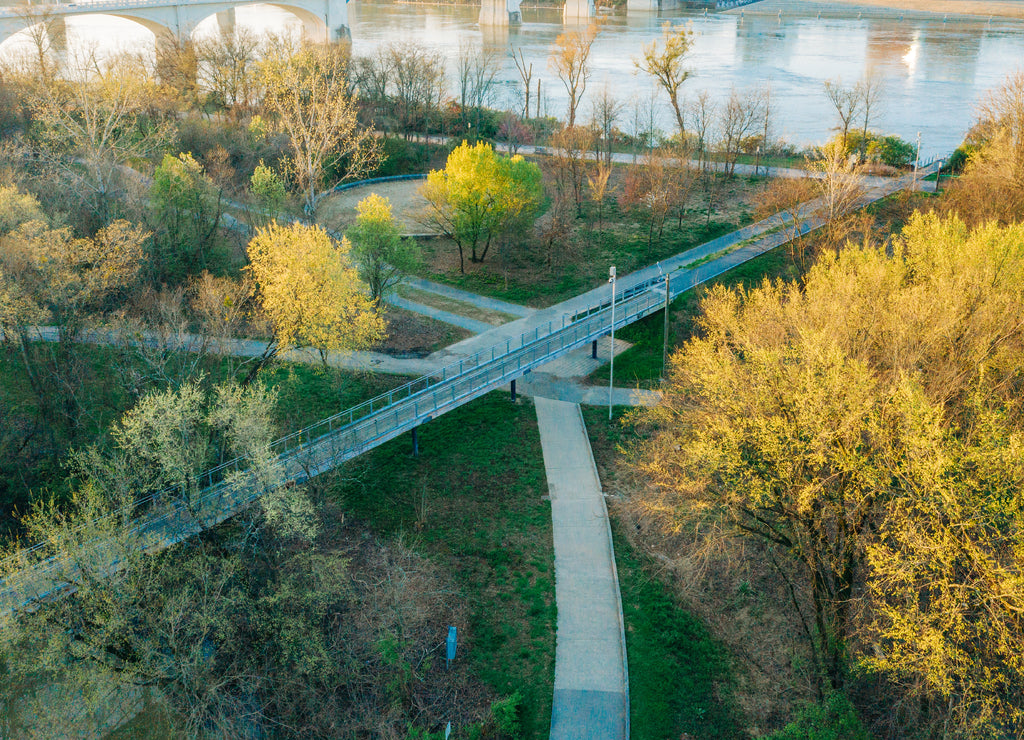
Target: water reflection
<point>933,72</point>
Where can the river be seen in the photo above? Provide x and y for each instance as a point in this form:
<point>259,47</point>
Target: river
<point>934,70</point>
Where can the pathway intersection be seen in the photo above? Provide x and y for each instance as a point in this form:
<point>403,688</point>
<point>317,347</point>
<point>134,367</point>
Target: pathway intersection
<point>591,677</point>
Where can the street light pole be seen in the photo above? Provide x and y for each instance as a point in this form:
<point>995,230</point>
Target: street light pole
<point>611,346</point>
<point>917,159</point>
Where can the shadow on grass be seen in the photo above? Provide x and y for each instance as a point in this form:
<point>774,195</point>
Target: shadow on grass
<point>472,500</point>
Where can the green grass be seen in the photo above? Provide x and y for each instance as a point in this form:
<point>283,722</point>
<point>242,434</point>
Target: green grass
<point>520,274</point>
<point>641,364</point>
<point>680,677</point>
<point>473,501</point>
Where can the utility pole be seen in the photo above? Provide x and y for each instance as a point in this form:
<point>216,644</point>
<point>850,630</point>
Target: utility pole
<point>664,348</point>
<point>611,345</point>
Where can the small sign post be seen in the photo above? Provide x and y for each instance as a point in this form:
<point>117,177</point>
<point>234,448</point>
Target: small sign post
<point>451,645</point>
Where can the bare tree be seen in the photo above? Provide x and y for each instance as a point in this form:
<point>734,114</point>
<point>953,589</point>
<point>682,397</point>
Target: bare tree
<point>417,82</point>
<point>848,102</point>
<point>476,69</point>
<point>704,112</point>
<point>569,59</point>
<point>872,91</point>
<point>605,112</point>
<point>741,118</point>
<point>526,75</point>
<point>839,188</point>
<point>227,67</point>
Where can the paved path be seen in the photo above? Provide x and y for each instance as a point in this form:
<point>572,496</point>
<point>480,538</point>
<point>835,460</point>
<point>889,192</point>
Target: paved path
<point>591,699</point>
<point>463,322</point>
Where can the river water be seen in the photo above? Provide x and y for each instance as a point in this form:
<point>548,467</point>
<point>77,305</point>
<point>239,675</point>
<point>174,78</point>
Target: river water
<point>934,70</point>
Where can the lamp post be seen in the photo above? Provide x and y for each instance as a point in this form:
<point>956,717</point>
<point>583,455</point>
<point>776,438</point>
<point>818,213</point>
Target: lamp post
<point>611,346</point>
<point>917,159</point>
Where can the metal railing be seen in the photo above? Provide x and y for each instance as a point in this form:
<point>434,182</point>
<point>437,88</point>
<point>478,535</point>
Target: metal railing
<point>168,516</point>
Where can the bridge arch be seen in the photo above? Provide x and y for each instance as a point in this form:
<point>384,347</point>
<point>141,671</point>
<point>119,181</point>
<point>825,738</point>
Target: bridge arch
<point>159,30</point>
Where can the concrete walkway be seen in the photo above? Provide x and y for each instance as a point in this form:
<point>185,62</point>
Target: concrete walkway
<point>591,698</point>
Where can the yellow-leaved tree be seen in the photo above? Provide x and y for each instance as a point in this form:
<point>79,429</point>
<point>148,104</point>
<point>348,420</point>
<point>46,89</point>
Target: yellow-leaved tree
<point>867,424</point>
<point>310,292</point>
<point>480,195</point>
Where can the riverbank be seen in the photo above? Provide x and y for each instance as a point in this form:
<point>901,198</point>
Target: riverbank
<point>980,8</point>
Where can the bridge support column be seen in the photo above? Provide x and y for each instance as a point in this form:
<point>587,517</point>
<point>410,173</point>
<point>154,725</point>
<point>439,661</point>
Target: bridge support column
<point>500,13</point>
<point>415,442</point>
<point>593,350</point>
<point>336,18</point>
<point>578,10</point>
<point>643,6</point>
<point>57,31</point>
<point>226,22</point>
<point>513,391</point>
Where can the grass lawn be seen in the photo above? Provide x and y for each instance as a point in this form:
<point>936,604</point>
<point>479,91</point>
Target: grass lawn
<point>680,677</point>
<point>521,271</point>
<point>473,501</point>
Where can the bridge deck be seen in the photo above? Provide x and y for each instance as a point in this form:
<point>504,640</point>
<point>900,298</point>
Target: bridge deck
<point>546,335</point>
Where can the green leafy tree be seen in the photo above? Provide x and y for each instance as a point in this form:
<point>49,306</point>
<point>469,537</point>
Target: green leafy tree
<point>479,196</point>
<point>867,425</point>
<point>187,211</point>
<point>269,194</point>
<point>382,254</point>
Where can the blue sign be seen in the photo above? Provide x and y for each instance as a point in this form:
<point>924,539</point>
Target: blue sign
<point>452,640</point>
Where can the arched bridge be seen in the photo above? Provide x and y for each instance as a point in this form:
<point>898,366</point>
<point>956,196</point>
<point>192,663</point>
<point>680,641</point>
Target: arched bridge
<point>321,20</point>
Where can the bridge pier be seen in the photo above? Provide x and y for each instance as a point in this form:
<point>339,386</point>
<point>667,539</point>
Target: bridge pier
<point>578,10</point>
<point>226,22</point>
<point>415,442</point>
<point>500,13</point>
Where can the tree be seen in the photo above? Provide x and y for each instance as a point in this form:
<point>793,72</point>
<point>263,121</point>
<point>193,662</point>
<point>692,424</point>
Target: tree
<point>872,92</point>
<point>600,188</point>
<point>92,123</point>
<point>526,75</point>
<point>569,161</point>
<point>479,195</point>
<point>186,211</point>
<point>570,60</point>
<point>848,102</point>
<point>666,65</point>
<point>992,184</point>
<point>742,117</point>
<point>383,255</point>
<point>269,194</point>
<point>864,424</point>
<point>307,93</point>
<point>417,82</point>
<point>47,276</point>
<point>839,189</point>
<point>606,111</point>
<point>476,70</point>
<point>309,291</point>
<point>228,68</point>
